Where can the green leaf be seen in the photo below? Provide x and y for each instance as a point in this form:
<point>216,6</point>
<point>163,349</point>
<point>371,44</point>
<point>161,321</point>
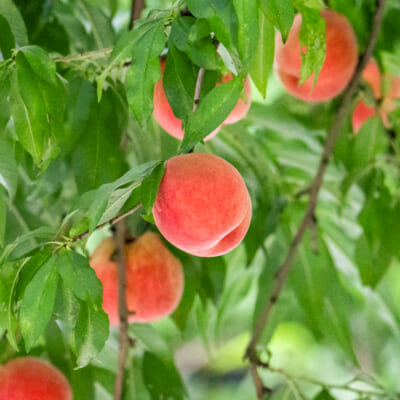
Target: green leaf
<point>10,12</point>
<point>223,21</point>
<point>9,274</point>
<point>3,216</point>
<point>280,13</point>
<point>37,104</point>
<point>323,395</point>
<point>91,332</point>
<point>264,222</point>
<point>92,328</point>
<point>79,277</point>
<point>97,155</point>
<point>38,303</point>
<point>40,62</point>
<point>212,111</point>
<point>149,187</point>
<point>247,14</point>
<point>26,243</point>
<point>312,35</point>
<point>145,68</point>
<point>4,91</point>
<point>166,383</point>
<point>8,166</point>
<point>99,200</point>
<point>100,24</point>
<point>261,64</point>
<point>7,42</point>
<point>192,36</point>
<point>179,81</point>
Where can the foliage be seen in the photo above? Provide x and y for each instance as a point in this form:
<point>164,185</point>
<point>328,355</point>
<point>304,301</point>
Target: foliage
<point>78,147</point>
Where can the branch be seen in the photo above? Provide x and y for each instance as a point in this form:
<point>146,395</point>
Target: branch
<point>136,8</point>
<point>87,54</point>
<point>110,222</point>
<point>199,81</point>
<point>122,310</point>
<point>281,276</point>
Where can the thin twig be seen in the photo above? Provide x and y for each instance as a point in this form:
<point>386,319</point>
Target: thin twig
<point>281,276</point>
<point>199,81</point>
<point>136,8</point>
<point>110,222</point>
<point>87,54</point>
<point>122,310</point>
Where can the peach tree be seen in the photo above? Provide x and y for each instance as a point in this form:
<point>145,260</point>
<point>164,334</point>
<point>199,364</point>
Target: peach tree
<point>270,256</point>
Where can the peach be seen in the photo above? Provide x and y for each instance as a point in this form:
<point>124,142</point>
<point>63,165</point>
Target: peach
<point>360,114</point>
<point>339,65</point>
<point>202,206</point>
<point>164,115</point>
<point>362,111</point>
<point>154,278</point>
<point>30,378</point>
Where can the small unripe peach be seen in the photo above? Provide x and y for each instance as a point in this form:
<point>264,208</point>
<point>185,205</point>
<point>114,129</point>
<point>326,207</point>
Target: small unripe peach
<point>154,278</point>
<point>30,378</point>
<point>202,206</point>
<point>339,65</point>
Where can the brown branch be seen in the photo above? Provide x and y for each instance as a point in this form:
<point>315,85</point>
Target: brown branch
<point>136,9</point>
<point>110,222</point>
<point>281,275</point>
<point>122,310</point>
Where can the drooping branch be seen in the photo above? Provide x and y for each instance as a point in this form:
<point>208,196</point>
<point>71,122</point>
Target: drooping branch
<point>122,310</point>
<point>282,273</point>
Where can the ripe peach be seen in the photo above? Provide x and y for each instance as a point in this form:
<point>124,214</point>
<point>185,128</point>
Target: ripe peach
<point>360,114</point>
<point>362,111</point>
<point>154,278</point>
<point>339,65</point>
<point>164,115</point>
<point>202,206</point>
<point>31,378</point>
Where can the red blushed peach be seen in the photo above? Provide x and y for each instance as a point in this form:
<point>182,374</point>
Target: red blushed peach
<point>360,114</point>
<point>154,278</point>
<point>31,378</point>
<point>164,115</point>
<point>339,65</point>
<point>362,111</point>
<point>372,75</point>
<point>202,206</point>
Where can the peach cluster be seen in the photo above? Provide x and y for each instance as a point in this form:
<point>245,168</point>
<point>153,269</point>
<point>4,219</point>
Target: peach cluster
<point>362,111</point>
<point>337,69</point>
<point>30,378</point>
<point>164,115</point>
<point>202,207</point>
